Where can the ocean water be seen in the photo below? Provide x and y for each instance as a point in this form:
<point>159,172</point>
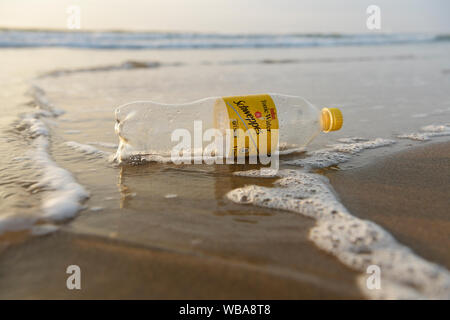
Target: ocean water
<point>57,134</point>
<point>189,40</point>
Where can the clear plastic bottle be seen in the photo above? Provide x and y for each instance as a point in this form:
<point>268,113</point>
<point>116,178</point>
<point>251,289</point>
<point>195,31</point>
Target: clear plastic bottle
<point>146,127</point>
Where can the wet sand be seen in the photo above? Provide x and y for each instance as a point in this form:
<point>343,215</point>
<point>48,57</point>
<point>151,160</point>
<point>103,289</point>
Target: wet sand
<point>118,270</point>
<point>407,194</point>
<point>139,244</point>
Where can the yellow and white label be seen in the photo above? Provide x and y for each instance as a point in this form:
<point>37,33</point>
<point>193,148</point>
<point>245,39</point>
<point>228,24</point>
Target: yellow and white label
<point>254,123</point>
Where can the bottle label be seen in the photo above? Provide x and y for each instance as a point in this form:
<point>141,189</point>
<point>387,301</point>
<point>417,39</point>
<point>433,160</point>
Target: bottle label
<point>254,123</point>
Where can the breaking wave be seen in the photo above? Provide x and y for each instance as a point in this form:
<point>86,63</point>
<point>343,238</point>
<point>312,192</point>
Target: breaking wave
<point>174,40</point>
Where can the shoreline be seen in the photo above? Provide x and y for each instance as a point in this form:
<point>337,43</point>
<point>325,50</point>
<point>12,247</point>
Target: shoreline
<point>115,268</point>
<point>128,210</point>
<point>407,194</point>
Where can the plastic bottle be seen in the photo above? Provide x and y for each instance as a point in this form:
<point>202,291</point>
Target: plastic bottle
<point>146,128</point>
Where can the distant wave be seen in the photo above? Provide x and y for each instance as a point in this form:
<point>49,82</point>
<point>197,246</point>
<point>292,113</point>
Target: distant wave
<point>167,40</point>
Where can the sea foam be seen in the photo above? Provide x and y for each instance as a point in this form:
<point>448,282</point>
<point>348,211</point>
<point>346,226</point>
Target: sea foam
<point>85,148</point>
<point>355,242</point>
<point>428,132</point>
<point>339,153</point>
<point>189,40</point>
<point>62,196</point>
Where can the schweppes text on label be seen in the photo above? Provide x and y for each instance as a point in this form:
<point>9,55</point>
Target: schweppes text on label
<point>254,122</point>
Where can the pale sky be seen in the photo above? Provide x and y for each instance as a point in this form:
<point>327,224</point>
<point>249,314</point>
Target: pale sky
<point>230,16</point>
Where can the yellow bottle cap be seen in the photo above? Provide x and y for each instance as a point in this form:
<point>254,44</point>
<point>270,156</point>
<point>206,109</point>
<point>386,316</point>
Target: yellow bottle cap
<point>331,119</point>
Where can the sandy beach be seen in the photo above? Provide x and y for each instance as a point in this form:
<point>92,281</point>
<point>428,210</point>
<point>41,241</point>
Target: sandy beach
<point>372,193</point>
<point>117,270</point>
<point>402,191</point>
<point>407,194</point>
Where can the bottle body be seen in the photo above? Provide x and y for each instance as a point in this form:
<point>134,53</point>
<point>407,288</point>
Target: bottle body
<point>299,121</point>
<point>150,128</point>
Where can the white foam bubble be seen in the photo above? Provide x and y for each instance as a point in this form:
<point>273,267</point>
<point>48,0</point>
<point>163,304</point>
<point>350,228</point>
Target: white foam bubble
<point>63,196</point>
<point>351,139</point>
<point>428,132</point>
<point>357,147</point>
<point>261,173</point>
<point>84,148</point>
<point>339,153</point>
<point>355,242</point>
<point>33,125</point>
<point>135,159</point>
